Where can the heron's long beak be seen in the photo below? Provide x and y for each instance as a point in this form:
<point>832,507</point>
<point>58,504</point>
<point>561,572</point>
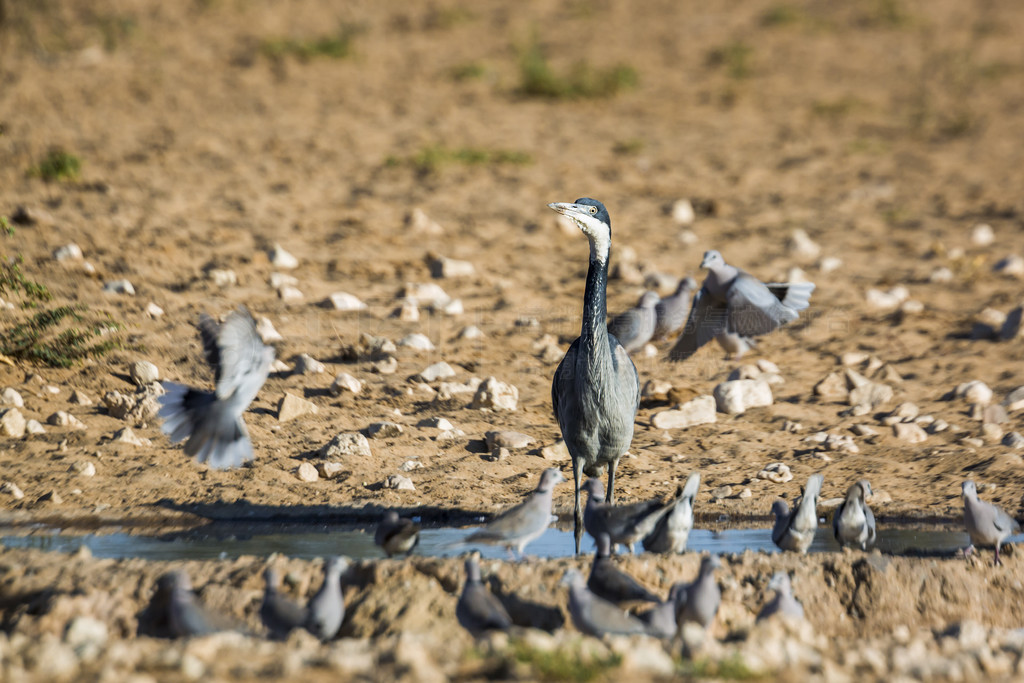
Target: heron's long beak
<point>567,209</point>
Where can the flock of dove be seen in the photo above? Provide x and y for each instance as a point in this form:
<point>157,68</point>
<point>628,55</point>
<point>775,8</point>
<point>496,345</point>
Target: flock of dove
<point>595,397</point>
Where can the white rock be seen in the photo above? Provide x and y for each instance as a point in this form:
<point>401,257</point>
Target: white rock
<point>830,264</point>
<point>698,411</point>
<point>420,223</point>
<point>222,277</point>
<point>796,274</point>
<point>493,394</point>
<point>153,311</point>
<point>345,382</point>
<point>864,430</point>
<point>84,468</point>
<point>911,307</point>
<point>385,366</point>
<point>34,427</point>
<point>12,423</point>
<point>982,235</point>
<point>687,237</point>
<point>267,332</point>
<point>291,407</point>
<point>384,430</point>
<point>974,391</point>
<point>407,311</point>
<point>11,397</point>
<point>937,426</point>
<point>289,294</point>
<point>941,275</point>
<point>343,301</point>
<point>682,212</point>
<point>448,390</point>
<point>1014,400</point>
<point>1011,265</point>
<point>450,268</point>
<point>909,431</point>
<point>279,280</point>
<point>453,307</point>
<point>280,367</point>
<point>887,300</point>
<point>128,436</point>
<point>776,472</point>
<point>143,372</point>
<point>399,483</point>
<point>119,287</point>
<point>12,489</point>
<point>735,397</point>
<point>450,435</point>
<point>765,365</point>
<point>417,341</point>
<point>279,258</point>
<point>507,439</point>
<point>436,423</point>
<point>65,419</point>
<point>307,365</point>
<point>410,465</point>
<point>346,444</point>
<point>429,294</point>
<point>556,452</point>
<point>439,370</point>
<point>801,245</point>
<point>69,252</point>
<point>87,636</point>
<point>329,470</point>
<point>307,473</point>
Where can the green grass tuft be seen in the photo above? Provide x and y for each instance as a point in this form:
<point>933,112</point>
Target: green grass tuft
<point>562,664</point>
<point>733,668</point>
<point>468,71</point>
<point>335,46</point>
<point>57,165</point>
<point>433,157</point>
<point>537,78</point>
<point>782,15</point>
<point>735,57</point>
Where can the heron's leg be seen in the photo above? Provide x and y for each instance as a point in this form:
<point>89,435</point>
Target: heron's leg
<point>577,476</point>
<point>611,481</point>
<point>998,561</point>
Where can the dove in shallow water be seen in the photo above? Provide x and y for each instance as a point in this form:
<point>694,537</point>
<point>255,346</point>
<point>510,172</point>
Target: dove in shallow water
<point>478,610</point>
<point>673,530</point>
<point>698,602</point>
<point>987,524</point>
<point>635,327</point>
<point>672,311</point>
<point>326,610</point>
<point>625,524</point>
<point>735,302</point>
<point>795,530</point>
<point>595,616</point>
<point>853,523</point>
<point>783,603</point>
<point>396,535</point>
<point>611,583</point>
<point>211,421</point>
<point>278,613</point>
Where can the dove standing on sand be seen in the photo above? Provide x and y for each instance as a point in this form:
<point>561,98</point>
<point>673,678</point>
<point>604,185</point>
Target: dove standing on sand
<point>625,524</point>
<point>185,617</point>
<point>326,610</point>
<point>673,530</point>
<point>736,302</point>
<point>987,524</point>
<point>853,523</point>
<point>672,311</point>
<point>278,613</point>
<point>783,603</point>
<point>397,535</point>
<point>523,523</point>
<point>212,421</point>
<point>593,615</point>
<point>635,327</point>
<point>795,530</point>
<point>478,610</point>
<point>698,602</point>
<point>611,583</point>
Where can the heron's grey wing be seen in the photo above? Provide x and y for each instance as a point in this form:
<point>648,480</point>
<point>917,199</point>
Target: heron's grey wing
<point>563,383</point>
<point>707,319</point>
<point>627,375</point>
<point>753,309</point>
<point>244,359</point>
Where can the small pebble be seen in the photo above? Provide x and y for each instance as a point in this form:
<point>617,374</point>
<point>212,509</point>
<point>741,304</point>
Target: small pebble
<point>802,246</point>
<point>266,330</point>
<point>410,465</point>
<point>721,492</point>
<point>470,332</point>
<point>65,419</point>
<point>280,258</point>
<point>222,277</point>
<point>776,472</point>
<point>384,430</point>
<point>12,489</point>
<point>329,470</point>
<point>887,300</point>
<point>69,252</point>
<point>991,433</point>
<point>417,341</point>
<point>291,407</point>
<point>1012,265</point>
<point>493,394</point>
<point>1013,440</point>
<point>974,391</point>
<point>982,235</point>
<point>556,452</point>
<point>84,468</point>
<point>345,382</point>
<point>830,264</point>
<point>34,427</point>
<point>407,311</point>
<point>909,432</point>
<point>289,294</point>
<point>307,365</point>
<point>343,301</point>
<point>307,473</point>
<point>279,280</point>
<point>439,370</point>
<point>507,439</point>
<point>745,494</point>
<point>12,398</point>
<point>420,223</point>
<point>435,422</point>
<point>398,482</point>
<point>119,287</point>
<point>682,212</point>
<point>153,311</point>
<point>144,372</point>
<point>441,267</point>
<point>941,275</point>
<point>387,366</point>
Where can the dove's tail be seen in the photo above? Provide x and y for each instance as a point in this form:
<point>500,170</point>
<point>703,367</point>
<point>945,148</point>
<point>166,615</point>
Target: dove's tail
<point>213,434</point>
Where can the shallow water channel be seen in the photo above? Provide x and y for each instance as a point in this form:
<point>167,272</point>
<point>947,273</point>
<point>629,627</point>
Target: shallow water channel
<point>229,540</point>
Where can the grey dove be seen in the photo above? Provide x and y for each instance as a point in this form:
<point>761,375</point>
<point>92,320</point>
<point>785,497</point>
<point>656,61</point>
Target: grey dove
<point>517,527</point>
<point>733,301</point>
<point>595,616</point>
<point>279,614</point>
<point>795,530</point>
<point>625,524</point>
<point>783,602</point>
<point>595,392</point>
<point>185,616</point>
<point>396,535</point>
<point>611,583</point>
<point>672,311</point>
<point>212,421</point>
<point>325,611</point>
<point>987,523</point>
<point>673,530</point>
<point>698,602</point>
<point>661,619</point>
<point>635,327</point>
<point>853,523</point>
<point>478,610</point>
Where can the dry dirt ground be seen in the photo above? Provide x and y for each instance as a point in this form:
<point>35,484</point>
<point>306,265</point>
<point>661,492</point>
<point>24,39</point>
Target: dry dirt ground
<point>885,129</point>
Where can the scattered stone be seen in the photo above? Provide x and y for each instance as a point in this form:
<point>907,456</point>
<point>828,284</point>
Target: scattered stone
<point>420,223</point>
<point>267,332</point>
<point>79,397</point>
<point>307,473</point>
<point>991,433</point>
<point>937,426</point>
<point>51,496</point>
<point>34,427</point>
<point>153,311</point>
<point>289,294</point>
<point>69,252</point>
<point>84,468</point>
<point>128,436</point>
<point>279,367</point>
<point>871,395</point>
<point>507,439</point>
<point>698,411</point>
<point>497,454</point>
<point>840,442</point>
<point>441,267</point>
<point>687,237</point>
<point>556,452</point>
<point>143,372</point>
<point>417,341</point>
<point>682,212</point>
<point>343,301</point>
<point>745,494</point>
<point>735,397</point>
<point>854,358</point>
<point>450,435</point>
<point>776,472</point>
<point>974,391</point>
<point>721,492</point>
<point>429,294</point>
<point>909,432</point>
<point>279,280</point>
<point>982,235</point>
<point>291,407</point>
<point>307,365</point>
<point>399,482</point>
<point>905,412</point>
<point>792,427</point>
<point>1014,401</point>
<point>470,332</point>
<point>87,636</point>
<point>551,354</point>
<point>972,441</point>
<point>830,264</point>
<point>439,370</point>
<point>279,258</point>
<point>994,414</point>
<point>329,470</point>
<point>222,277</point>
<point>12,489</point>
<point>65,419</point>
<point>655,390</point>
<point>435,422</point>
<point>802,246</point>
<point>746,371</point>
<point>493,394</point>
<point>386,366</point>
<point>407,311</point>
<point>11,397</point>
<point>384,430</point>
<point>410,465</point>
<point>119,287</point>
<point>911,307</point>
<point>1012,327</point>
<point>1013,440</point>
<point>346,444</point>
<point>448,390</point>
<point>1011,265</point>
<point>864,430</point>
<point>887,300</point>
<point>453,307</point>
<point>345,382</point>
<point>832,387</point>
<point>941,275</point>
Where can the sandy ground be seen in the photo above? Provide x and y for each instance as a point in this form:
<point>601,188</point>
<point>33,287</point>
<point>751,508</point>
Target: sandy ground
<point>885,130</point>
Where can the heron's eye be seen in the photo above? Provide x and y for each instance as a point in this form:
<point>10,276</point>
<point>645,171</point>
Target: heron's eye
<point>593,210</point>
